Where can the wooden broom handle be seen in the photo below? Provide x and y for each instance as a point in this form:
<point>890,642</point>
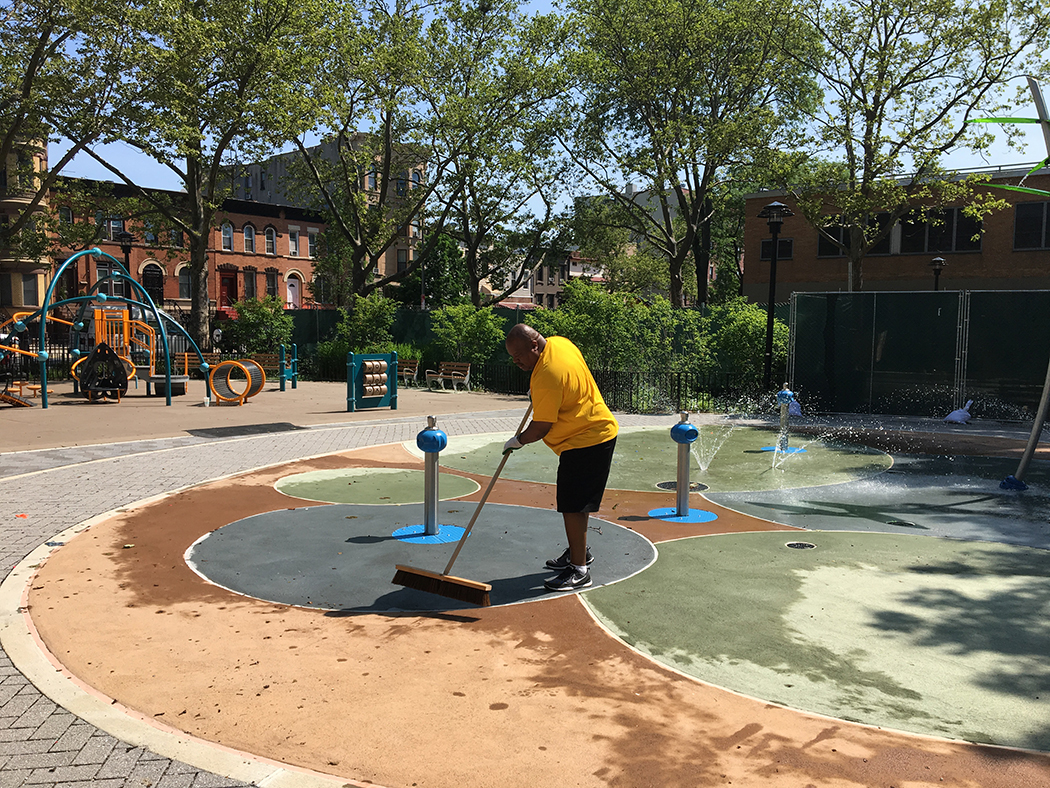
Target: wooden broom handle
<point>485,496</point>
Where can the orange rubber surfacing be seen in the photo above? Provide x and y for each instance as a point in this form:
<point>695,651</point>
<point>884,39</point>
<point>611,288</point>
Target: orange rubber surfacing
<point>508,696</point>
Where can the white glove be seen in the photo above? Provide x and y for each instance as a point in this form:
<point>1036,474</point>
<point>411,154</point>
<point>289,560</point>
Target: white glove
<point>512,444</point>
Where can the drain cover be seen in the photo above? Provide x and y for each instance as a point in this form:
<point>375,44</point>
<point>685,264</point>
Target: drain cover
<point>801,545</point>
<point>693,486</point>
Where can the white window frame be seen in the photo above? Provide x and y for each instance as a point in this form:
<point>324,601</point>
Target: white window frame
<point>270,235</point>
<point>293,241</point>
<point>248,235</point>
<point>227,237</point>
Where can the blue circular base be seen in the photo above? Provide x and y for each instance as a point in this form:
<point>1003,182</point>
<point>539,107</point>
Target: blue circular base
<point>695,516</point>
<point>787,450</point>
<point>414,534</point>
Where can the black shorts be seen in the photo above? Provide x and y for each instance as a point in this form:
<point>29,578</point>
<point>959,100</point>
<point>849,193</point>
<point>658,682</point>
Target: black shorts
<point>582,475</point>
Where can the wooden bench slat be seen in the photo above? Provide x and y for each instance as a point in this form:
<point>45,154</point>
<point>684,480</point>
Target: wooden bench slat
<point>455,371</point>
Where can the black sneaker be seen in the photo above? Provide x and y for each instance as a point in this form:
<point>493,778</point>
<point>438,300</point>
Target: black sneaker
<point>569,580</point>
<point>562,561</point>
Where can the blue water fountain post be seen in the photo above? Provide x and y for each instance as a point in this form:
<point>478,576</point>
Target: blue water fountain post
<point>431,441</point>
<point>784,397</point>
<point>684,434</point>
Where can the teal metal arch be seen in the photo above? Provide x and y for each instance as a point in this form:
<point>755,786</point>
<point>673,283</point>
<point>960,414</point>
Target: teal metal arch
<point>148,304</point>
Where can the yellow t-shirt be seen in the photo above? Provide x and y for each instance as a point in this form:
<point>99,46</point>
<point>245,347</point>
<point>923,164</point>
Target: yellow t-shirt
<point>564,393</point>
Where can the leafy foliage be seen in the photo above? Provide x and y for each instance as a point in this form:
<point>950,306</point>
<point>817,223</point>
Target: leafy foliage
<point>466,333</point>
<point>367,323</point>
<point>261,326</point>
<point>736,333</point>
<point>442,272</point>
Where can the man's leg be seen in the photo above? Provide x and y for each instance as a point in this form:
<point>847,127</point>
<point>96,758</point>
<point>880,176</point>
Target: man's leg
<point>576,533</point>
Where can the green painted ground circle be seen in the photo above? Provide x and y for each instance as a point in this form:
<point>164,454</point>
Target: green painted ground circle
<point>646,456</point>
<point>370,485</point>
<point>932,636</point>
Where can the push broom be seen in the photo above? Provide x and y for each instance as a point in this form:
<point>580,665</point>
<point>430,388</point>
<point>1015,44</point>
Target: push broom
<point>448,585</point>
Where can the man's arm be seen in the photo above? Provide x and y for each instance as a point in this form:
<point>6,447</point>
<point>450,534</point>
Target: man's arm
<point>535,431</point>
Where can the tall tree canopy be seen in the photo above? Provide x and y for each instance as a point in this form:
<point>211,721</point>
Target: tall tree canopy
<point>673,91</point>
<point>217,82</point>
<point>60,68</point>
<point>900,81</point>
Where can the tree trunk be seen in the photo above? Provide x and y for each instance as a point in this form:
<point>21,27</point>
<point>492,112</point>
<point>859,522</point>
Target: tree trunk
<point>200,303</point>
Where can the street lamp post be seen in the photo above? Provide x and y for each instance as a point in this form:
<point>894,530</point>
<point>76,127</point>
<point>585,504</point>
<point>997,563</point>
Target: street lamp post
<point>774,214</point>
<point>125,239</point>
<point>937,264</point>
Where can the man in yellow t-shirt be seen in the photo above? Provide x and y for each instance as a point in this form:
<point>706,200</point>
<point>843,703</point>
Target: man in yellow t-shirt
<point>570,416</point>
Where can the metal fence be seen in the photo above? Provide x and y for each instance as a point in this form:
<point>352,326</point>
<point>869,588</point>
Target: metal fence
<point>920,353</point>
<point>624,390</point>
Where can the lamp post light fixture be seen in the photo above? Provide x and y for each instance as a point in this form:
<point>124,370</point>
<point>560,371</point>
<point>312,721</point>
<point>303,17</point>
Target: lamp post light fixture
<point>774,214</point>
<point>937,264</point>
<point>125,239</point>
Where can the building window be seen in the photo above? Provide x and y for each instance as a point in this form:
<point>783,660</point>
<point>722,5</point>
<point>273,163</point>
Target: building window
<point>271,241</point>
<point>1031,230</point>
<point>373,181</point>
<point>402,183</point>
<point>227,237</point>
<point>539,275</point>
<point>30,294</point>
<point>293,243</point>
<point>402,260</point>
<point>311,244</point>
<point>785,248</point>
<point>950,231</point>
<point>6,297</point>
<point>249,284</point>
<point>112,286</point>
<point>417,179</point>
<point>249,239</point>
<point>110,226</point>
<point>184,282</point>
<point>149,233</point>
<point>271,283</point>
<point>153,282</point>
<point>177,239</point>
<point>65,214</point>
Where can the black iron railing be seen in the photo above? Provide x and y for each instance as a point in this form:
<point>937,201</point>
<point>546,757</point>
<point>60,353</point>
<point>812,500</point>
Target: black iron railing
<point>627,390</point>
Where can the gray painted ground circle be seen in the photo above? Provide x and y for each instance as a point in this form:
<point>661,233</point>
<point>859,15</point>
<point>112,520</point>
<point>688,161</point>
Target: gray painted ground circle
<point>342,556</point>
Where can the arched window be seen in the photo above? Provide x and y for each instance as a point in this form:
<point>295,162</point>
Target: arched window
<point>184,282</point>
<point>153,282</point>
<point>417,179</point>
<point>227,237</point>
<point>271,241</point>
<point>65,214</point>
<point>249,239</point>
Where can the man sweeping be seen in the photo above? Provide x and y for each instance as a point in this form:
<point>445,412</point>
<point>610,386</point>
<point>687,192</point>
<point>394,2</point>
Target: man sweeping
<point>570,416</point>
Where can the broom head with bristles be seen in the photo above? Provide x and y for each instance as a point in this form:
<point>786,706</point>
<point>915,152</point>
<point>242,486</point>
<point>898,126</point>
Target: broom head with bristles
<point>443,585</point>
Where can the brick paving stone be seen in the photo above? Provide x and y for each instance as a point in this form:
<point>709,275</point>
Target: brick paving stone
<point>62,774</point>
<point>120,763</point>
<point>175,781</point>
<point>43,760</point>
<point>54,727</point>
<point>75,736</point>
<point>114,782</point>
<point>148,772</point>
<point>13,778</point>
<point>27,747</point>
<point>96,749</point>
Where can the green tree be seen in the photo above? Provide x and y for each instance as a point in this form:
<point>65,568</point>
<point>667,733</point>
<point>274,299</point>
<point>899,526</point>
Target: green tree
<point>466,333</point>
<point>60,65</point>
<point>440,278</point>
<point>900,80</point>
<point>367,323</point>
<point>261,326</point>
<point>501,72</point>
<point>736,333</point>
<point>598,230</point>
<point>674,91</point>
<point>216,83</point>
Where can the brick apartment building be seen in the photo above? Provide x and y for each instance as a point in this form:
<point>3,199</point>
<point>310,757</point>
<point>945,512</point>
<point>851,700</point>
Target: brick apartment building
<point>1012,253</point>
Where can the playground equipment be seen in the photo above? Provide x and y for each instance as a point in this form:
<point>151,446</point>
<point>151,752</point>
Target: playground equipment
<point>124,338</point>
<point>223,379</point>
<point>371,381</point>
<point>684,434</point>
<point>104,374</point>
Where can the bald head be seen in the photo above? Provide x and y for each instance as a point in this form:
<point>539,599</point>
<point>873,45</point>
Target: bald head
<point>525,343</point>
